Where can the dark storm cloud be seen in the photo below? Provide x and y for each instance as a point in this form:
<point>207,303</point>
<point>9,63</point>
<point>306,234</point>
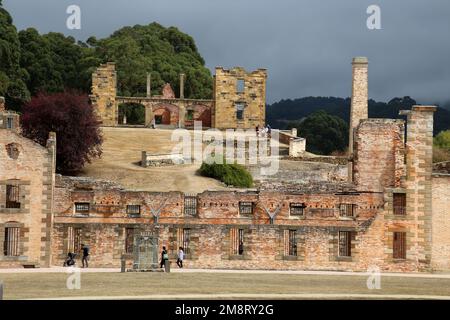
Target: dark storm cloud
<point>306,45</point>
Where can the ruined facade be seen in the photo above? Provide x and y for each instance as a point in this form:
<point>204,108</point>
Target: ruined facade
<point>392,213</point>
<point>239,101</point>
<point>240,98</point>
<point>27,172</point>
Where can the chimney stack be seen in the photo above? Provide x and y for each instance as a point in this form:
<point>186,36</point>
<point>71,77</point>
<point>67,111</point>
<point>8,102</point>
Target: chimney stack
<point>359,109</point>
<point>182,78</point>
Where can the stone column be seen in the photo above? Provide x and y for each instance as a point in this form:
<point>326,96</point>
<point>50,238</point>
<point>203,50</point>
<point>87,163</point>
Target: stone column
<point>149,85</point>
<point>359,109</point>
<point>419,167</point>
<point>148,115</point>
<point>182,78</point>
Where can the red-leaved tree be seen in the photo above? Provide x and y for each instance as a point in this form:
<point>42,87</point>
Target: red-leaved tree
<point>70,115</point>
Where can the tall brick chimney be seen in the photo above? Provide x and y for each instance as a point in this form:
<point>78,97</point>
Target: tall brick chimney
<point>2,104</point>
<point>419,168</point>
<point>359,104</point>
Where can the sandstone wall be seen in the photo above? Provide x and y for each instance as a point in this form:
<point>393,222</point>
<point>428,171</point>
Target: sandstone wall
<point>227,95</point>
<point>31,168</point>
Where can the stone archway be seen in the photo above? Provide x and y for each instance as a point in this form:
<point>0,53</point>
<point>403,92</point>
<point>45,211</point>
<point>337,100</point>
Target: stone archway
<point>166,114</point>
<point>198,112</point>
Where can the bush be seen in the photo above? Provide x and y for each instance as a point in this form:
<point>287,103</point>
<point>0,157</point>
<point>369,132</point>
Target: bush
<point>72,118</point>
<point>440,154</point>
<point>230,174</point>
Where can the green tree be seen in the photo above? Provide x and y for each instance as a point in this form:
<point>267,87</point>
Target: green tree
<point>442,140</point>
<point>324,133</point>
<point>165,52</point>
<point>12,76</point>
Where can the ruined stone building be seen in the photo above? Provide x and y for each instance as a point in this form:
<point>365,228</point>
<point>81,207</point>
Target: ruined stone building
<point>239,101</point>
<point>393,213</point>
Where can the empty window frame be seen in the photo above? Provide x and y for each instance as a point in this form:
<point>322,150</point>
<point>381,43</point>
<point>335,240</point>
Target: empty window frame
<point>237,241</point>
<point>296,209</point>
<point>246,207</point>
<point>190,115</point>
<point>240,111</point>
<point>290,243</point>
<point>11,243</point>
<point>399,245</point>
<point>12,197</point>
<point>129,240</point>
<point>347,210</point>
<point>133,210</point>
<point>345,244</point>
<point>9,123</point>
<point>240,85</point>
<point>82,208</point>
<point>399,202</point>
<point>190,205</point>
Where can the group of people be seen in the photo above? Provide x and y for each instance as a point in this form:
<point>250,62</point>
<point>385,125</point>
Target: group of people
<point>70,261</point>
<point>265,132</point>
<point>165,257</point>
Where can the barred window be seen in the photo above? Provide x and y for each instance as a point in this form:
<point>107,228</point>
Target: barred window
<point>290,243</point>
<point>134,210</point>
<point>184,239</point>
<point>237,241</point>
<point>129,240</point>
<point>9,123</point>
<point>399,245</point>
<point>12,197</point>
<point>11,242</point>
<point>246,207</point>
<point>345,243</point>
<point>399,204</point>
<point>297,209</point>
<point>190,205</point>
<point>240,85</point>
<point>347,210</point>
<point>74,239</point>
<point>82,207</point>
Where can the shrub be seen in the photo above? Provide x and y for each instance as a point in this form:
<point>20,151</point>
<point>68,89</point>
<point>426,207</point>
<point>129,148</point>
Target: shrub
<point>230,174</point>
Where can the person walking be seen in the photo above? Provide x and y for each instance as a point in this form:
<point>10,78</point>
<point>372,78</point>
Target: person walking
<point>164,257</point>
<point>85,258</point>
<point>180,257</point>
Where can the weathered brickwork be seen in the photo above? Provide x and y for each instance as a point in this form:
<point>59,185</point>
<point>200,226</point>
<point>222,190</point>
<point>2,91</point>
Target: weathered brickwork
<point>379,154</point>
<point>240,98</point>
<point>27,176</point>
<point>441,222</point>
<point>104,92</point>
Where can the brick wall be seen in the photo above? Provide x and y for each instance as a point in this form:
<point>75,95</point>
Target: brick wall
<point>440,257</point>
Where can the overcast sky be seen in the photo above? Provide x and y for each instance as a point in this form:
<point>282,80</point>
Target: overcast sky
<point>306,45</point>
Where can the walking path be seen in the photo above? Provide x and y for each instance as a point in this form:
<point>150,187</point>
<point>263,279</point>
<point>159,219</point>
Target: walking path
<point>258,296</point>
<point>330,273</point>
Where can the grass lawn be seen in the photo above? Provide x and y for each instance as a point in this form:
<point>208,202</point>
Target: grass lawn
<point>52,285</point>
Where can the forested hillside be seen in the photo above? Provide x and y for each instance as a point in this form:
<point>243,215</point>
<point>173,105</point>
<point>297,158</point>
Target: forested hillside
<point>31,62</point>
